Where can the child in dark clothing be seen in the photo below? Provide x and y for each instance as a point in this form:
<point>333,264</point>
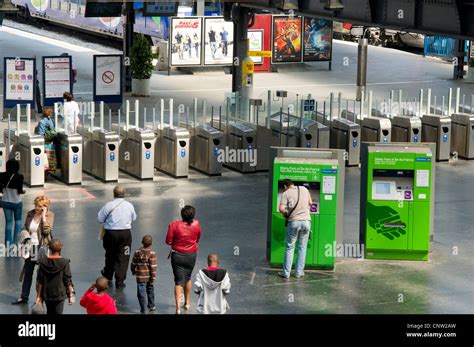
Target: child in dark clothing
<point>144,268</point>
<point>100,302</point>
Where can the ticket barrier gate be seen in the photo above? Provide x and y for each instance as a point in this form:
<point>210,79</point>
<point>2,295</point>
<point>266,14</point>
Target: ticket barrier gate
<point>406,129</point>
<point>240,139</point>
<point>346,135</point>
<point>69,153</point>
<point>462,140</point>
<point>437,129</point>
<point>136,151</point>
<point>173,146</point>
<point>101,148</point>
<point>376,129</point>
<point>205,144</point>
<point>29,148</point>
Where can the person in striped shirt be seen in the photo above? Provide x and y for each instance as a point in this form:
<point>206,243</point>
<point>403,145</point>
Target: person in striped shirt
<point>144,269</point>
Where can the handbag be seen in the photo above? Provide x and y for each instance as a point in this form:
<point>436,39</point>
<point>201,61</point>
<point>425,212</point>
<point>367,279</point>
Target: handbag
<point>38,309</point>
<point>102,229</point>
<point>287,216</point>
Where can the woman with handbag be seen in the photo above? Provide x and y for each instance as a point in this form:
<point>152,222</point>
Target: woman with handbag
<point>38,226</point>
<point>11,183</point>
<point>183,237</point>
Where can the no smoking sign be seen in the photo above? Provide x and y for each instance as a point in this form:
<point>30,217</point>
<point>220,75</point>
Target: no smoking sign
<point>108,77</point>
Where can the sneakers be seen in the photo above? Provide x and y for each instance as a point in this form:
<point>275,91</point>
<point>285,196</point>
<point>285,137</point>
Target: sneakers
<point>282,275</point>
<point>298,276</point>
<point>152,309</point>
<point>20,302</point>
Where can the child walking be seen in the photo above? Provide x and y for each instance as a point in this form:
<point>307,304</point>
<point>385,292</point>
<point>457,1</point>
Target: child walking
<point>144,268</point>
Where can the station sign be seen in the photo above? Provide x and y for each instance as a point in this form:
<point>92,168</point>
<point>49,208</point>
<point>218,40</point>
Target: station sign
<point>108,84</point>
<point>19,82</point>
<point>263,54</point>
<point>56,78</point>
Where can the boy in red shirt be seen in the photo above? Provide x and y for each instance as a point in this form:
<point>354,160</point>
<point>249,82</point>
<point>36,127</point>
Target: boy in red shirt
<point>100,302</point>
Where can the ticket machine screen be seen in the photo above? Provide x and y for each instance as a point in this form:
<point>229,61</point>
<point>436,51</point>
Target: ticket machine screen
<point>314,190</point>
<point>392,185</point>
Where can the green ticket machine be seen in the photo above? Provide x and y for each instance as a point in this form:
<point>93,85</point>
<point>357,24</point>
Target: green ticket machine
<point>322,172</point>
<point>397,200</point>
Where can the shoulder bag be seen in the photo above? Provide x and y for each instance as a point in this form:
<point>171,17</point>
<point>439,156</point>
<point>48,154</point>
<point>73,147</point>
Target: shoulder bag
<point>102,229</point>
<point>288,215</point>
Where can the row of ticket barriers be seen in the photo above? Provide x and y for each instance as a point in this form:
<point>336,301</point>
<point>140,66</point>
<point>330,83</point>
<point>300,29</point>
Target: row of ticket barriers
<point>206,142</point>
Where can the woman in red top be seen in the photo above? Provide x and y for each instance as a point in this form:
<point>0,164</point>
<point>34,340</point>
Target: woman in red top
<point>183,237</point>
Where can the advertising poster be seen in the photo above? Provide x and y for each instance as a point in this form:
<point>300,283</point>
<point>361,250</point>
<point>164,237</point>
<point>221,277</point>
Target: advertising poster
<point>56,77</point>
<point>108,78</point>
<point>186,41</point>
<point>256,44</point>
<point>20,79</point>
<point>219,41</point>
<point>317,40</point>
<point>286,39</point>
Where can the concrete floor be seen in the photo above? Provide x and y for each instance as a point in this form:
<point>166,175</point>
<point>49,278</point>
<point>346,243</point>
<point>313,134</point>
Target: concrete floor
<point>232,210</point>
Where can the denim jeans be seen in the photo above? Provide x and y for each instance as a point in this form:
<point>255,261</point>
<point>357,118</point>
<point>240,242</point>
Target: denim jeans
<point>144,291</point>
<point>296,231</point>
<point>13,222</point>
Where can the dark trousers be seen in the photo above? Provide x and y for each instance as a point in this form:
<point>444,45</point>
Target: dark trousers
<point>27,279</point>
<point>146,290</point>
<point>117,245</point>
<point>54,307</point>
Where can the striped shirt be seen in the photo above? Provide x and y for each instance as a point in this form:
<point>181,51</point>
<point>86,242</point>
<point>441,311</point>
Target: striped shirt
<point>144,265</point>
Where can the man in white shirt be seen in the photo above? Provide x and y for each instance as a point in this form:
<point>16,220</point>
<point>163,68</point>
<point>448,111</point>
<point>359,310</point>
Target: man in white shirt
<point>117,217</point>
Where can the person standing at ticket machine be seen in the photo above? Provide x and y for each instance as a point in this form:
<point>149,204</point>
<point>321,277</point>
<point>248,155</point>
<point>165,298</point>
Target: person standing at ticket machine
<point>295,206</point>
<point>71,112</point>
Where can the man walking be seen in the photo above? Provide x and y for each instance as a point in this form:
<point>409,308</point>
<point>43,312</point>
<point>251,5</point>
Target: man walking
<point>117,217</point>
<point>294,206</point>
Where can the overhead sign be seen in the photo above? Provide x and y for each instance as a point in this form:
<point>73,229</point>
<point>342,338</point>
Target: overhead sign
<point>19,81</point>
<point>56,78</point>
<point>103,8</point>
<point>160,8</point>
<point>108,78</point>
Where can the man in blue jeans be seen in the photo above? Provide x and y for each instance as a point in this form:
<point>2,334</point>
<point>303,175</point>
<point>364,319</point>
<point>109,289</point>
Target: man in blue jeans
<point>294,205</point>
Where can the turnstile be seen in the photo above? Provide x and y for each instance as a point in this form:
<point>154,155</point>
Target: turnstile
<point>136,151</point>
<point>29,150</point>
<point>314,134</point>
<point>206,144</point>
<point>32,158</point>
<point>406,129</point>
<point>3,156</point>
<point>437,129</point>
<point>346,135</point>
<point>376,129</point>
<point>70,154</point>
<point>101,148</point>
<point>173,149</point>
<point>241,141</point>
<point>462,139</point>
